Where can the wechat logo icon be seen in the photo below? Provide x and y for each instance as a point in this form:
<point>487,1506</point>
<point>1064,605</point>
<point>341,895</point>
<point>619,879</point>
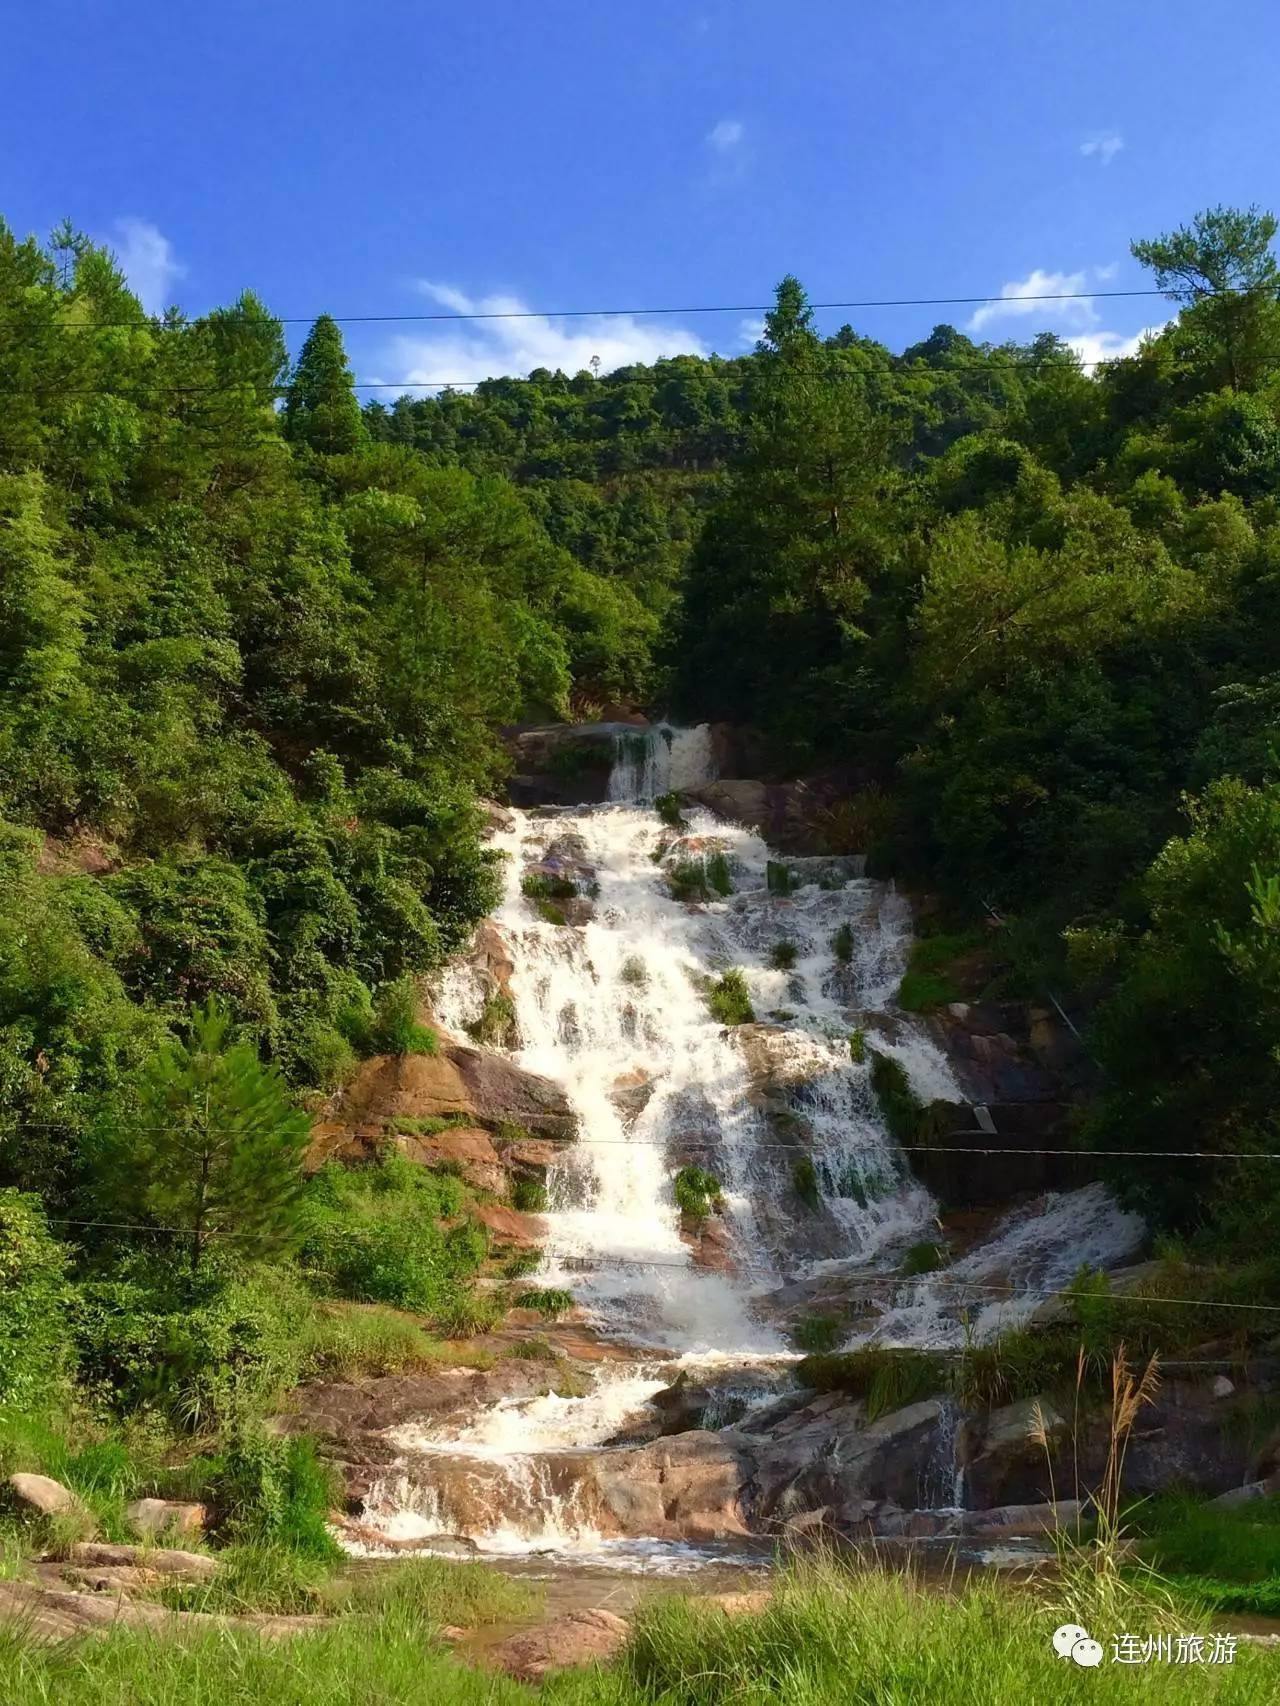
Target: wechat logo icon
<point>1070,1641</point>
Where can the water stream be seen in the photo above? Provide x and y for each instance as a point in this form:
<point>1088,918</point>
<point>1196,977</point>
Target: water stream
<point>611,1002</point>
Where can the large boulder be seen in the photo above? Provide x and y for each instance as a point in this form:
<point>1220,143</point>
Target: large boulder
<point>828,1454</point>
<point>689,1487</point>
<point>154,1517</point>
<point>564,764</point>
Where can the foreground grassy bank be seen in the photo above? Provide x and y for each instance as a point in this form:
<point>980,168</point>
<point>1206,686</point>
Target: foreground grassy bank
<point>827,1636</point>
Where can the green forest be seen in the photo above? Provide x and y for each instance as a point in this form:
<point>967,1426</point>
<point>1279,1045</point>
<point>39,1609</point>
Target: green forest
<point>257,643</point>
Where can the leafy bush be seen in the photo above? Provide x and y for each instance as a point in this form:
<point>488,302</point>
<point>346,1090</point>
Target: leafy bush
<point>266,1490</point>
<point>34,1334</point>
<point>782,956</point>
<point>719,876</point>
<point>667,807</point>
<point>730,1001</point>
<point>858,1047</point>
<point>376,1236</point>
<point>842,944</point>
<point>697,1192</point>
<point>687,880</point>
<point>634,972</point>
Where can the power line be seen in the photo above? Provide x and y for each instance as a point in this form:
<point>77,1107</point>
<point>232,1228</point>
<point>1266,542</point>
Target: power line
<point>453,316</point>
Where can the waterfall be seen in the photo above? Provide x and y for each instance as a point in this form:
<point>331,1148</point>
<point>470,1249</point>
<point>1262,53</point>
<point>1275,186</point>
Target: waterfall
<point>616,935</point>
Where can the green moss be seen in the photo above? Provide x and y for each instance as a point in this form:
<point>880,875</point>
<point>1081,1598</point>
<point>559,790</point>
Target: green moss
<point>667,807</point>
<point>858,1047</point>
<point>782,956</point>
<point>925,991</point>
<point>634,972</point>
<point>842,944</point>
<point>804,1181</point>
<point>531,1350</point>
<point>550,913</point>
<point>730,1001</point>
<point>901,1109</point>
<point>719,875</point>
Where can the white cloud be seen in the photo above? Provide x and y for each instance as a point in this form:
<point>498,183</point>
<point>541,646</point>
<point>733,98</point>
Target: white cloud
<point>727,135</point>
<point>147,260</point>
<point>1102,146</point>
<point>488,349</point>
<point>1093,347</point>
<point>1024,296</point>
<point>750,332</point>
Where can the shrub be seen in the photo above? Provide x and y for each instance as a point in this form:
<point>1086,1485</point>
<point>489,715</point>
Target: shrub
<point>687,880</point>
<point>549,1301</point>
<point>697,1192</point>
<point>395,1028</point>
<point>347,1340</point>
<point>529,1195</point>
<point>818,1333</point>
<point>34,1335</point>
<point>269,1490</point>
<point>667,807</point>
<point>729,1000</point>
<point>842,944</point>
<point>898,1103</point>
<point>858,1047</point>
<point>804,1181</point>
<point>782,956</point>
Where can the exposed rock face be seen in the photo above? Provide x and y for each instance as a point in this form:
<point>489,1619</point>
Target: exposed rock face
<point>468,1149</point>
<point>159,1560</point>
<point>577,1638</point>
<point>486,1089</point>
<point>563,764</point>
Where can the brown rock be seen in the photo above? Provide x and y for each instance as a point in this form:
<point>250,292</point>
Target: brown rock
<point>165,1516</point>
<point>55,1614</point>
<point>511,1229</point>
<point>43,1496</point>
<point>578,1638</point>
<point>166,1560</point>
<point>686,1487</point>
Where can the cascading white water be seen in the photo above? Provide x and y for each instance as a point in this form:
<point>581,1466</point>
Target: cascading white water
<point>613,1006</point>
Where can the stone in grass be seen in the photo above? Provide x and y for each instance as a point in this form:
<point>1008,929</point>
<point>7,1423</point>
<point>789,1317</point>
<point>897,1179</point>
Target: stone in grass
<point>578,1638</point>
<point>41,1495</point>
<point>153,1517</point>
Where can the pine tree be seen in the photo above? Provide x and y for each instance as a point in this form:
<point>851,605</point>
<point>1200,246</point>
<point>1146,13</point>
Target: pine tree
<point>322,409</point>
<point>218,1143</point>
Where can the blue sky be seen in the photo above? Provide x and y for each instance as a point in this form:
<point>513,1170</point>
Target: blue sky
<point>387,156</point>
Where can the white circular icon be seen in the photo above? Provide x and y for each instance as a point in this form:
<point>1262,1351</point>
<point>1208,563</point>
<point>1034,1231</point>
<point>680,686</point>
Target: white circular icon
<point>1065,1638</point>
<point>1087,1652</point>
